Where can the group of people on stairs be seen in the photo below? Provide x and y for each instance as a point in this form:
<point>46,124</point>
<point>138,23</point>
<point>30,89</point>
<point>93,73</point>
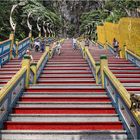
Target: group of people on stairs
<point>39,45</point>
<point>87,43</point>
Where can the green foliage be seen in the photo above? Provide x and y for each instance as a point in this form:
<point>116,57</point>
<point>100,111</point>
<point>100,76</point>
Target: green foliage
<point>111,11</point>
<point>20,17</point>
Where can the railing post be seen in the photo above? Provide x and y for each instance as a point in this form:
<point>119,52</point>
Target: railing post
<point>97,70</point>
<point>30,34</point>
<point>39,34</point>
<point>85,50</point>
<point>26,63</point>
<point>11,37</point>
<point>103,63</point>
<point>17,45</point>
<point>122,53</point>
<point>34,69</point>
<point>105,45</point>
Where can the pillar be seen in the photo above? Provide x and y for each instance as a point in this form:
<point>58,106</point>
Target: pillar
<point>103,63</point>
<point>11,37</point>
<point>26,63</point>
<point>34,69</point>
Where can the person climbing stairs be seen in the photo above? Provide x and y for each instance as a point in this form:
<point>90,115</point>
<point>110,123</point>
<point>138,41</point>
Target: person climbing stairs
<point>65,104</point>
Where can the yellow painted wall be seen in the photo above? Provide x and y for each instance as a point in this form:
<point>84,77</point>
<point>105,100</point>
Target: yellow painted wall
<point>101,34</point>
<point>127,32</point>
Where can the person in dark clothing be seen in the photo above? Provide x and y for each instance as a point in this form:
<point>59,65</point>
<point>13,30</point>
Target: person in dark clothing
<point>116,47</point>
<point>42,46</point>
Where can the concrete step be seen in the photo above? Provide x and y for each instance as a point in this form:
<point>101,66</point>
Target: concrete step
<point>53,62</point>
<point>67,65</point>
<point>62,86</point>
<point>128,76</point>
<point>12,66</point>
<point>126,72</point>
<point>124,68</point>
<point>131,84</point>
<point>121,65</point>
<point>7,72</point>
<point>65,82</point>
<point>63,135</point>
<point>63,118</point>
<point>66,68</point>
<point>65,79</point>
<point>66,71</point>
<point>10,69</point>
<point>66,76</point>
<point>64,104</point>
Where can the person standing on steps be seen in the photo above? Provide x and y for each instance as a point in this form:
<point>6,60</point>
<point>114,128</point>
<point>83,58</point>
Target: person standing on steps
<point>29,54</point>
<point>74,43</point>
<point>42,46</point>
<point>116,47</point>
<point>37,45</point>
<point>58,47</point>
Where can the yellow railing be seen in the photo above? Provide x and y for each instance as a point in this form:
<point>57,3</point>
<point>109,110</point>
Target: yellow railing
<point>135,56</point>
<point>122,91</point>
<point>42,57</point>
<point>7,88</point>
<point>87,54</point>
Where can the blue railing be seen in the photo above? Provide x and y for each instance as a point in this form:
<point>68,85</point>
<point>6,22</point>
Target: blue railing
<point>133,58</point>
<point>23,46</point>
<point>4,51</point>
<point>14,53</point>
<point>10,93</point>
<point>121,101</point>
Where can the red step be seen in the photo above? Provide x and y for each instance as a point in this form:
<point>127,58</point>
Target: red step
<point>31,110</point>
<point>63,125</point>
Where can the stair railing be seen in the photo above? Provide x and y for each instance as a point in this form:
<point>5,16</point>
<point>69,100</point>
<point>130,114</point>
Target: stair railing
<point>41,63</point>
<point>5,47</point>
<point>94,66</point>
<point>10,93</point>
<point>121,99</point>
<point>135,59</point>
<point>124,53</point>
<point>22,46</point>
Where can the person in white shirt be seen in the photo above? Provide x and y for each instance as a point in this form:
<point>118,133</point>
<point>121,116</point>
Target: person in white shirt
<point>37,45</point>
<point>74,43</point>
<point>58,48</point>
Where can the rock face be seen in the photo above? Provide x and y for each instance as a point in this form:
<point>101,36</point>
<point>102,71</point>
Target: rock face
<point>70,11</point>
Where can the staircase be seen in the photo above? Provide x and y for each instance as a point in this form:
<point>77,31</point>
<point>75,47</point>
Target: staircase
<point>12,67</point>
<point>65,104</point>
<point>126,72</point>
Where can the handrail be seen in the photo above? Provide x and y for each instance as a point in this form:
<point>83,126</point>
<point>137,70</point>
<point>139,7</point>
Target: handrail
<point>42,58</point>
<point>101,44</point>
<point>23,40</point>
<point>4,91</point>
<point>136,56</point>
<point>122,91</point>
<point>95,65</point>
<point>91,58</point>
<point>4,41</point>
